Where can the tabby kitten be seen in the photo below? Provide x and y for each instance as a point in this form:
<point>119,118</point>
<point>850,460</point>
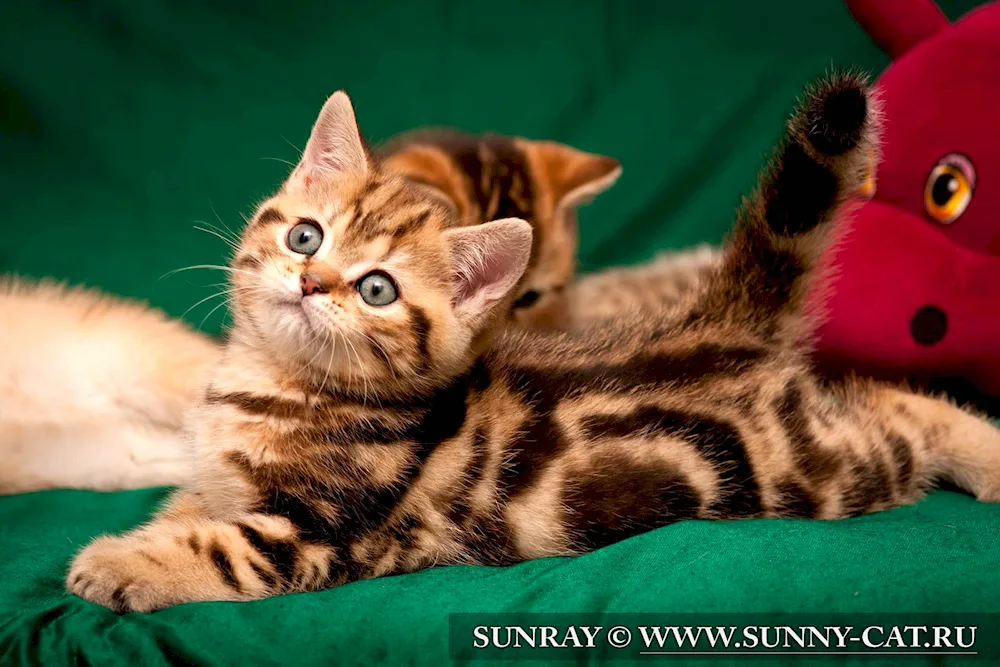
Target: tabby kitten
<point>486,177</point>
<point>361,423</point>
<point>97,400</point>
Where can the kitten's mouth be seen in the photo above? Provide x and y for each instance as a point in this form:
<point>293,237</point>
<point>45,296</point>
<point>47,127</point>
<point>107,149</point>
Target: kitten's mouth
<point>315,316</point>
<point>293,304</point>
<point>293,308</point>
<point>303,314</point>
<point>290,306</point>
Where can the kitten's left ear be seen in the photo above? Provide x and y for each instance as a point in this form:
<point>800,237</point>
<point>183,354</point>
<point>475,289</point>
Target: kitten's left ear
<point>574,176</point>
<point>487,261</point>
<point>334,146</point>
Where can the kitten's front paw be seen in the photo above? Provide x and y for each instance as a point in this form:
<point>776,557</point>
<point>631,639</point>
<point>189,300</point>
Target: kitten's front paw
<point>119,574</point>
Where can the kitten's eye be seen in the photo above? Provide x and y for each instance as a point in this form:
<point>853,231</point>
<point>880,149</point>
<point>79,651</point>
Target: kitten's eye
<point>377,289</point>
<point>527,299</point>
<point>949,188</point>
<point>305,237</point>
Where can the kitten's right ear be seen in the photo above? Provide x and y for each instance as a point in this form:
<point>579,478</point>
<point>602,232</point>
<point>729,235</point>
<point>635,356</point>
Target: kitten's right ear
<point>487,262</point>
<point>334,146</point>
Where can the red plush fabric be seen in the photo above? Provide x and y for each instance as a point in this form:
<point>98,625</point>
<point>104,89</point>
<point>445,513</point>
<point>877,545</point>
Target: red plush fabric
<point>896,25</point>
<point>918,294</point>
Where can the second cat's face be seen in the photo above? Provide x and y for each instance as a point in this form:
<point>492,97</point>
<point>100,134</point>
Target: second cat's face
<point>485,177</point>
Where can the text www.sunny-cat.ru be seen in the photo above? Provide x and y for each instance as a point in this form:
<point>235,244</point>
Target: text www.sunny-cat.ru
<point>546,636</point>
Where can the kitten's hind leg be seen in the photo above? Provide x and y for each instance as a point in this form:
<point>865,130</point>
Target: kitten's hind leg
<point>827,155</point>
<point>955,445</point>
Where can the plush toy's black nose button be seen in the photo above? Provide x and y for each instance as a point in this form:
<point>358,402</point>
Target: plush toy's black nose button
<point>929,325</point>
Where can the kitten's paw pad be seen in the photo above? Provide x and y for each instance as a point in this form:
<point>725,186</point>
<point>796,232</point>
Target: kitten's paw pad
<point>114,573</point>
<point>837,114</point>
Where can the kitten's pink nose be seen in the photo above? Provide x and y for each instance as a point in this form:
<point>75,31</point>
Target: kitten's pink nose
<point>311,284</point>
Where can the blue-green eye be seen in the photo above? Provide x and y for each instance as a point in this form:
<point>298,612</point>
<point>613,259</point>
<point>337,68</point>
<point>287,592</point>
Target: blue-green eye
<point>377,289</point>
<point>305,237</point>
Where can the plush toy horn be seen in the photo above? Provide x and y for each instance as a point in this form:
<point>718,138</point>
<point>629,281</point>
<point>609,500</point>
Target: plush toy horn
<point>896,25</point>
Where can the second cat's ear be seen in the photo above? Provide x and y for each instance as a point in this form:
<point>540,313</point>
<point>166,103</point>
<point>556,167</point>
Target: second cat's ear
<point>334,146</point>
<point>487,261</point>
<point>574,176</point>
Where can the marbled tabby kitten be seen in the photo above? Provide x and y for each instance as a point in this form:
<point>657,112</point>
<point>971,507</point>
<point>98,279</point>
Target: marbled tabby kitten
<point>487,177</point>
<point>361,423</point>
<point>116,423</point>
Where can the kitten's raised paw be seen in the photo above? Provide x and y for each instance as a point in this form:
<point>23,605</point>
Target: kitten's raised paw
<point>118,574</point>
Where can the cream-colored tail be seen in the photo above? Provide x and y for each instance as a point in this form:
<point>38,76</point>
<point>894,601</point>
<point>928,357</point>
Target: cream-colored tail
<point>93,389</point>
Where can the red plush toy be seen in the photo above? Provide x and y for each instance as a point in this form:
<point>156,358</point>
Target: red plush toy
<point>917,292</point>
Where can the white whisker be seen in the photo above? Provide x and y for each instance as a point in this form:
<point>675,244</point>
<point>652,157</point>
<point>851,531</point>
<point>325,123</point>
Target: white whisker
<point>198,303</point>
<point>214,232</point>
<point>307,368</point>
<point>215,267</point>
<point>204,319</point>
<point>329,363</point>
<point>376,345</point>
<point>297,149</point>
<point>278,159</point>
<point>221,222</point>
<point>364,377</point>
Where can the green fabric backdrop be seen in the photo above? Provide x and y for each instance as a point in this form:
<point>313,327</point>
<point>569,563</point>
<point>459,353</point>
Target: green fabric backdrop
<point>124,122</point>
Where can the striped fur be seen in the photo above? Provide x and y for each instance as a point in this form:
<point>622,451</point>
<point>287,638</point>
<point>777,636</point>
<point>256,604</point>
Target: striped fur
<point>401,438</point>
<point>487,177</point>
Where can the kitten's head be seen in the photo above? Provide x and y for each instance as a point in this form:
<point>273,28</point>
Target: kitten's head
<point>483,177</point>
<point>361,279</point>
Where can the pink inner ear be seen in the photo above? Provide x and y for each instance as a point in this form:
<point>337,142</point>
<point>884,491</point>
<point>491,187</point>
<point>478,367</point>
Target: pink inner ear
<point>487,261</point>
<point>483,271</point>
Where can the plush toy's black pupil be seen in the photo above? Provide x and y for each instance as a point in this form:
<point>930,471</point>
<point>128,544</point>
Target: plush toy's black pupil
<point>944,187</point>
<point>929,325</point>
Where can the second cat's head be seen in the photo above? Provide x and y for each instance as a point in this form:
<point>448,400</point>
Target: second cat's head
<point>361,278</point>
<point>486,176</point>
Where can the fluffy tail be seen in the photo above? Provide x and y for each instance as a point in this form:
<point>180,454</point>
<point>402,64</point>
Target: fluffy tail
<point>826,157</point>
<point>93,389</point>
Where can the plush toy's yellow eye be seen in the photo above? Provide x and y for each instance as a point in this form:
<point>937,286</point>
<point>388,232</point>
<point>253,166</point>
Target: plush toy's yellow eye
<point>949,188</point>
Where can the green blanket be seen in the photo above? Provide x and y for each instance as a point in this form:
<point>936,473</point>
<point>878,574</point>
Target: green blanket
<point>942,555</point>
<point>124,123</point>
